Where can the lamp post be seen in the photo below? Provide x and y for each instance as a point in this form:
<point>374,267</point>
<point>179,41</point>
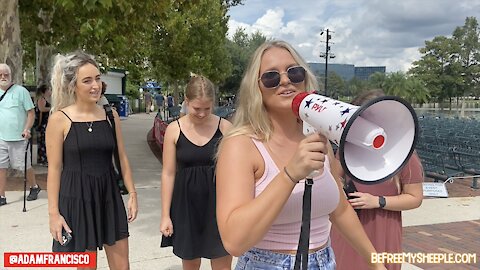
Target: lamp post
<point>327,55</point>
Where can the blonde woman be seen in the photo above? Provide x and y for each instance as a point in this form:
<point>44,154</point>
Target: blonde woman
<point>380,207</point>
<point>188,181</point>
<point>83,196</point>
<point>262,163</point>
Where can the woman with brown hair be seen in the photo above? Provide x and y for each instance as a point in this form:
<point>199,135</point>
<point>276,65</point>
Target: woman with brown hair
<point>43,108</point>
<point>380,207</point>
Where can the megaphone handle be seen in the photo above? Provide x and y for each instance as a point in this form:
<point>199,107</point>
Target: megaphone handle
<point>313,174</point>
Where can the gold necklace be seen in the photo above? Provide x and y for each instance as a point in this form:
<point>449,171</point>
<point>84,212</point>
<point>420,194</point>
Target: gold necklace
<point>90,126</point>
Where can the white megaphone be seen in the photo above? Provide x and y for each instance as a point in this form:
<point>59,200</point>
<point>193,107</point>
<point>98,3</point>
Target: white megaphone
<point>374,140</point>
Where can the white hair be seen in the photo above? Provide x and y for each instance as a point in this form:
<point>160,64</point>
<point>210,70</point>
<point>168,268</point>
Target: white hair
<point>6,67</point>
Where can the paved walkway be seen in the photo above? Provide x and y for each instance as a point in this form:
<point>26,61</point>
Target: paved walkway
<point>450,224</point>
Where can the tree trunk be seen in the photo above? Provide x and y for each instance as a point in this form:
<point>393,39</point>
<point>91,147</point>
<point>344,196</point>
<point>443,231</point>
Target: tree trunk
<point>175,94</point>
<point>44,63</point>
<point>10,42</point>
<point>43,51</point>
<point>216,96</point>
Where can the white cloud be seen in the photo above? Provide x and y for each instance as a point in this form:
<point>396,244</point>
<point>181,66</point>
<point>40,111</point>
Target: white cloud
<point>365,32</point>
<point>270,23</point>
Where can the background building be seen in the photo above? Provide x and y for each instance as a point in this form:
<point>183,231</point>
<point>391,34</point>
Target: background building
<point>363,73</point>
<point>346,71</point>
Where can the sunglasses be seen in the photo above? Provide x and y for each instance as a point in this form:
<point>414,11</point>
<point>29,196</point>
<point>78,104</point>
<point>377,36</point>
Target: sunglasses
<point>271,79</point>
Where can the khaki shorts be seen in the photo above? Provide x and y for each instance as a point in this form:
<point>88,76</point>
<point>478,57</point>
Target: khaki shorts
<point>13,154</point>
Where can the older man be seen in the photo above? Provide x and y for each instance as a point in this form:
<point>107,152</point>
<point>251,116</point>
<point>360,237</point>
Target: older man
<point>17,114</point>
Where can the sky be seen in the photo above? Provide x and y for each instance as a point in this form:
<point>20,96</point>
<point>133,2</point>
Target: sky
<point>364,32</point>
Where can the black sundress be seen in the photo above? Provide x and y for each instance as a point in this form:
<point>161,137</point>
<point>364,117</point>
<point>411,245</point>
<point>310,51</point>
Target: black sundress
<point>41,129</point>
<point>89,197</point>
<point>195,231</point>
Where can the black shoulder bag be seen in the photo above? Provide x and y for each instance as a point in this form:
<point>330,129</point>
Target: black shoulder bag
<point>117,167</point>
<point>1,98</point>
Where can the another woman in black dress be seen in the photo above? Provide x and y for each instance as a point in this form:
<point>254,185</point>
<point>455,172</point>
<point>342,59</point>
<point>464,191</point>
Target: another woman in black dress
<point>188,189</point>
<point>83,196</point>
<point>43,107</point>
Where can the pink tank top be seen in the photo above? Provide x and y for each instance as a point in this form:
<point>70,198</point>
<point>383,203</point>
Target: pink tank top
<point>285,230</point>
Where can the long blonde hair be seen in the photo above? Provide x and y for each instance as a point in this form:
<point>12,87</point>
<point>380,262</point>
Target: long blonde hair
<point>64,77</point>
<point>251,117</point>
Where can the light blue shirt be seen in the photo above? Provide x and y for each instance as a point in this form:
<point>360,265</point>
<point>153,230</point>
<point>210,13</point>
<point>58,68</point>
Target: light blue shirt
<point>13,112</point>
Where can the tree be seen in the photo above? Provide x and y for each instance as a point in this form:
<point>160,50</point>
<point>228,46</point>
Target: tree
<point>104,28</point>
<point>415,91</point>
<point>191,39</point>
<point>377,80</point>
<point>434,68</point>
<point>240,48</point>
<point>450,67</point>
<point>467,38</point>
<point>336,85</point>
<point>399,84</point>
<point>395,84</point>
<point>355,86</point>
<point>10,43</point>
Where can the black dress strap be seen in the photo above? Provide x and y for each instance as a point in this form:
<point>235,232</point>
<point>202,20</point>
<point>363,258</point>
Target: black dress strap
<point>66,116</point>
<point>219,120</point>
<point>179,125</point>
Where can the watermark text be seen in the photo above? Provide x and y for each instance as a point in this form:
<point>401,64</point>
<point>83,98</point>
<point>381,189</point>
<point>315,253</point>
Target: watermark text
<point>419,257</point>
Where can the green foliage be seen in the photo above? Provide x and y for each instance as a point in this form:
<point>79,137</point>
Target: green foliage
<point>132,90</point>
<point>336,85</point>
<point>399,84</point>
<point>355,86</point>
<point>240,48</point>
<point>467,38</point>
<point>450,67</point>
<point>377,80</point>
<point>191,38</point>
<point>116,31</point>
<point>124,34</point>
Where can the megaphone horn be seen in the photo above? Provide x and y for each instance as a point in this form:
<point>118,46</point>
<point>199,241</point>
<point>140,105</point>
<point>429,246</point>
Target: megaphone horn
<point>374,140</point>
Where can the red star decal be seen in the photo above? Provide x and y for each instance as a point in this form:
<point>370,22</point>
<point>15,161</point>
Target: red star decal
<point>343,123</point>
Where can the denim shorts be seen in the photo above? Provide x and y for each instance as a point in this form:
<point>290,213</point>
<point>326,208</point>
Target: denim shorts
<point>260,259</point>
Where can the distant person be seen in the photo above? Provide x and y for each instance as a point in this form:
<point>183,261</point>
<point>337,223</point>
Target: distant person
<point>188,220</point>
<point>103,100</point>
<point>83,194</point>
<point>160,101</point>
<point>148,101</point>
<point>380,208</point>
<point>17,114</point>
<point>183,109</point>
<point>170,104</point>
<point>43,107</point>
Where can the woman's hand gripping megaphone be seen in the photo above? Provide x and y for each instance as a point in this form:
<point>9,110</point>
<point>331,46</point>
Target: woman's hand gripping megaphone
<point>309,157</point>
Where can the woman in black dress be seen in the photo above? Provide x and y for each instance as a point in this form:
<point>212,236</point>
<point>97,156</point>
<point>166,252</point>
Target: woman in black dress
<point>188,221</point>
<point>83,196</point>
<point>43,107</point>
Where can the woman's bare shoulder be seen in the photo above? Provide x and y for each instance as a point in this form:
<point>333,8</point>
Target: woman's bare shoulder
<point>239,143</point>
<point>225,125</point>
<point>57,117</point>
